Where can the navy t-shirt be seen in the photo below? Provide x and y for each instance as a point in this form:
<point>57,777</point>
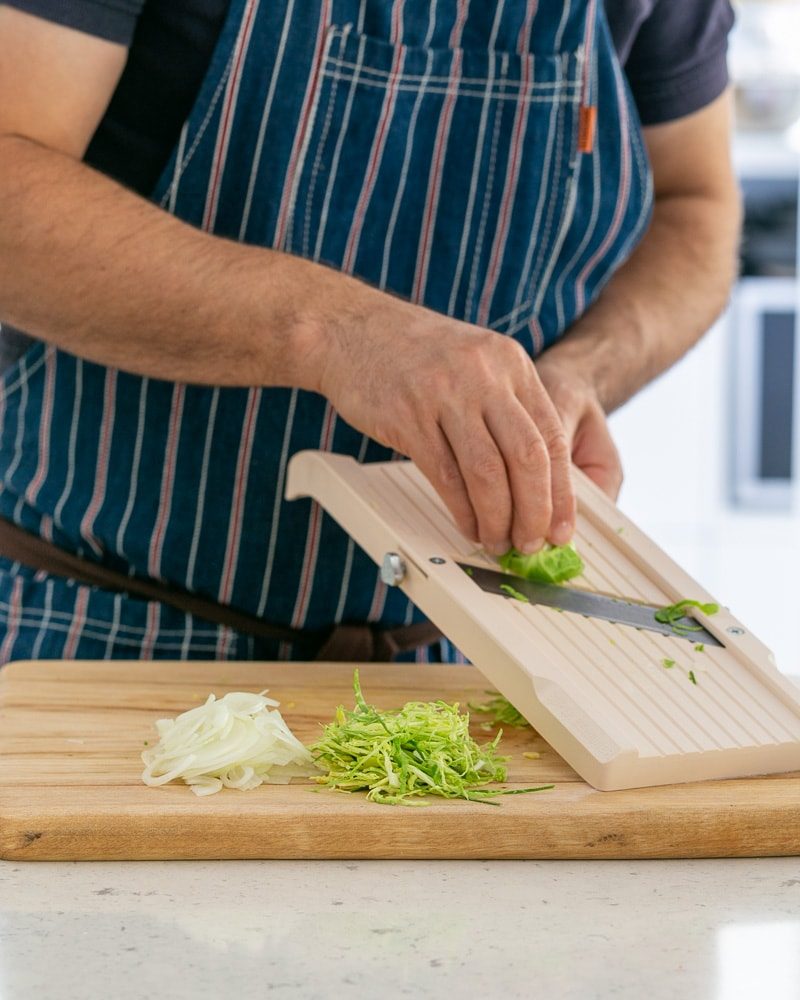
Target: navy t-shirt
<point>673,52</point>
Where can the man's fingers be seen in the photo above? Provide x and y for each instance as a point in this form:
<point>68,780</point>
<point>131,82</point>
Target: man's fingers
<point>438,464</point>
<point>528,466</point>
<point>562,494</point>
<point>484,472</point>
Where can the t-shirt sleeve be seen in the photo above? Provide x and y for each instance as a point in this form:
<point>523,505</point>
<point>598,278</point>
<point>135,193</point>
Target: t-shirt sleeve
<point>678,61</point>
<point>113,20</point>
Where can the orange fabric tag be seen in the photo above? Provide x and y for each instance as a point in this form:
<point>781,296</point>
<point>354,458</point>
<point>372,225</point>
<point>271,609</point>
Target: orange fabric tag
<point>586,127</point>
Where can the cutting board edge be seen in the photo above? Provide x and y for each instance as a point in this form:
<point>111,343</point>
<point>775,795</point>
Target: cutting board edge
<point>690,833</point>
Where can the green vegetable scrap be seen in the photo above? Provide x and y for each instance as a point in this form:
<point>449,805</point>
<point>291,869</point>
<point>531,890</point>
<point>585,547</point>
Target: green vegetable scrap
<point>673,613</point>
<point>699,647</point>
<point>551,564</point>
<point>667,662</point>
<point>422,749</point>
<point>508,589</point>
<point>502,710</point>
<point>692,677</point>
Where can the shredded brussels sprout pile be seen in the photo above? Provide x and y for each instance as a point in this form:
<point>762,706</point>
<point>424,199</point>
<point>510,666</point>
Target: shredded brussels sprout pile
<point>503,712</point>
<point>551,564</point>
<point>424,748</point>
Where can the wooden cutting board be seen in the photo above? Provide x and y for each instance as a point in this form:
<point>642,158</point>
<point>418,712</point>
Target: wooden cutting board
<point>70,788</point>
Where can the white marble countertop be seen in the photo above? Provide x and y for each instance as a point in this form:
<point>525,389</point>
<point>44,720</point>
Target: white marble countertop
<point>571,930</point>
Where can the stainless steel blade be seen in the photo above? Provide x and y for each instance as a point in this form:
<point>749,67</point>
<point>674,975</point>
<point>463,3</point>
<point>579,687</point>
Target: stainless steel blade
<point>587,603</point>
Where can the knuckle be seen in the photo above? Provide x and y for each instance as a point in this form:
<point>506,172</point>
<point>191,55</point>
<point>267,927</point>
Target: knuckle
<point>488,468</point>
<point>447,472</point>
<point>529,450</point>
<point>558,446</point>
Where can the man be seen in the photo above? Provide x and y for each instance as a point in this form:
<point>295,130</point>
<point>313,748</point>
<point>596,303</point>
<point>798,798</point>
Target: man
<point>238,229</point>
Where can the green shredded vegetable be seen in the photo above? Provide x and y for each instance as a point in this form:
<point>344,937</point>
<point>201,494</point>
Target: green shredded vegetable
<point>673,613</point>
<point>422,749</point>
<point>692,677</point>
<point>503,712</point>
<point>667,662</point>
<point>508,589</point>
<point>551,564</point>
<point>699,647</point>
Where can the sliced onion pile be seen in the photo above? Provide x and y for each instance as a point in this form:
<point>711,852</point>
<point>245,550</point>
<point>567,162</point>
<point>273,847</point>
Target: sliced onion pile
<point>238,741</point>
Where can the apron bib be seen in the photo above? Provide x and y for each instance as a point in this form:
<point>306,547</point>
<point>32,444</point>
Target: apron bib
<point>431,149</point>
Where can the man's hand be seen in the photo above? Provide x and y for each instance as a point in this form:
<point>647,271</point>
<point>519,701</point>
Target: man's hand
<point>591,446</point>
<point>464,403</point>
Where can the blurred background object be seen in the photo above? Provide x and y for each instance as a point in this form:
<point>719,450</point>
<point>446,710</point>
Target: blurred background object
<point>723,494</point>
<point>765,64</point>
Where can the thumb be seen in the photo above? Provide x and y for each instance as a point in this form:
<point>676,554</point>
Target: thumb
<point>594,452</point>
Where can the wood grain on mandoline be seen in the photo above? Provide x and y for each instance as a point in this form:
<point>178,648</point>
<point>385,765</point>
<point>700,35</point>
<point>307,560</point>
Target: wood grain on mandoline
<point>70,787</point>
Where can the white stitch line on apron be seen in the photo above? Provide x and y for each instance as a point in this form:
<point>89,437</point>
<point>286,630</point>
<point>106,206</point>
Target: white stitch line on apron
<point>476,169</point>
<point>276,506</point>
<point>543,188</point>
<point>172,190</point>
<point>374,162</point>
<point>31,491</point>
<point>38,615</point>
<point>545,244</point>
<point>440,147</point>
<point>11,471</point>
<point>508,197</point>
<point>616,221</point>
<point>220,157</point>
<point>22,378</point>
<point>106,430</point>
<point>348,561</point>
<point>487,198</point>
<point>401,186</point>
<point>588,235</point>
<point>305,122</point>
<point>71,447</point>
<point>201,488</point>
<point>153,621</point>
<point>168,194</point>
<point>12,630</point>
<point>44,623</point>
<point>241,485</point>
<point>333,171</point>
<point>262,128</point>
<point>444,82</point>
<point>114,629</point>
<point>566,94</point>
<point>171,447</point>
<point>135,464</point>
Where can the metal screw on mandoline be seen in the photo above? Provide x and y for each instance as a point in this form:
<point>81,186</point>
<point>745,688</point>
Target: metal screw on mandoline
<point>437,560</point>
<point>393,569</point>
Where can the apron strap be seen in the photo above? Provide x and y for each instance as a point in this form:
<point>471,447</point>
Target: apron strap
<point>356,643</point>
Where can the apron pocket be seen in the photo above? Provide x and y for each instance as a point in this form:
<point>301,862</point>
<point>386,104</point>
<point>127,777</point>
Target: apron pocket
<point>441,175</point>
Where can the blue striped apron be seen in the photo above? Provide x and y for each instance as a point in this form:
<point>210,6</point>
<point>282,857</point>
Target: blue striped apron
<point>431,149</point>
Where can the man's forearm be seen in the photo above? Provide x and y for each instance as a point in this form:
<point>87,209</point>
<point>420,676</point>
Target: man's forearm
<point>660,302</point>
<point>105,274</point>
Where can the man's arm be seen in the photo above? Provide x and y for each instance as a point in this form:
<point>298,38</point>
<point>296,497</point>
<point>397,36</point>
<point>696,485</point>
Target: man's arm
<point>664,297</point>
<point>100,272</point>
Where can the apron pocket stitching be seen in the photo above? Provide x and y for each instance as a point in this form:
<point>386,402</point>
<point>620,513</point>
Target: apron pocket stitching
<point>487,197</point>
<point>201,131</point>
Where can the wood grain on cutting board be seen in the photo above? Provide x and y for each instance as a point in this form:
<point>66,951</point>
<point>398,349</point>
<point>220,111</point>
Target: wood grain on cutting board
<point>70,787</point>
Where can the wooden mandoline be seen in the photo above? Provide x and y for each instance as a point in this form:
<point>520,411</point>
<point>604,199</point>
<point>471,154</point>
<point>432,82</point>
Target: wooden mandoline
<point>599,693</point>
